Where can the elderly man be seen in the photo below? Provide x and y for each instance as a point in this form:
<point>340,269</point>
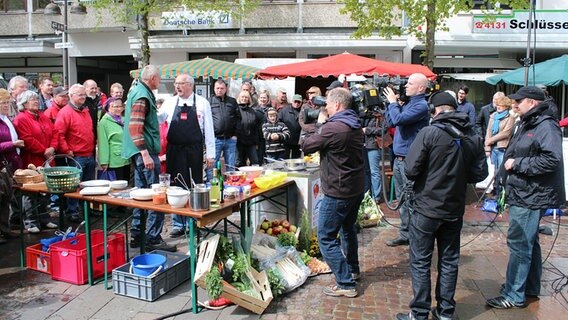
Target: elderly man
<point>74,127</point>
<point>190,129</point>
<point>226,116</point>
<point>281,100</point>
<point>441,162</point>
<point>535,182</point>
<point>408,119</point>
<point>116,92</point>
<point>93,103</point>
<point>141,140</point>
<point>59,100</point>
<point>340,141</point>
<point>17,85</point>
<point>45,93</point>
<point>485,112</point>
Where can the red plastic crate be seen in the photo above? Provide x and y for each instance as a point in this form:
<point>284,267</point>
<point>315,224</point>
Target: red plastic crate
<point>38,260</point>
<point>69,257</point>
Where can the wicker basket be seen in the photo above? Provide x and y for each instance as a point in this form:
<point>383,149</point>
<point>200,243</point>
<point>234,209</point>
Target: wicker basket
<point>28,179</point>
<point>62,179</point>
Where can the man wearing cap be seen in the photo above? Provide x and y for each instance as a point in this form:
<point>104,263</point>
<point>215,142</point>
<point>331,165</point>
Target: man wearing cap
<point>59,100</point>
<point>290,116</point>
<point>408,120</point>
<point>281,100</point>
<point>534,166</point>
<point>334,84</point>
<point>440,163</point>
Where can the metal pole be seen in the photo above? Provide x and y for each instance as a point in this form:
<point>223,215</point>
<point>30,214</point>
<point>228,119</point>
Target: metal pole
<point>65,49</point>
<point>528,62</point>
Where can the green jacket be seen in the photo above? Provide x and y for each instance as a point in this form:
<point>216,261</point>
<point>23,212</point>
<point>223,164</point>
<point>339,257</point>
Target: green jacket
<point>138,91</point>
<point>109,138</point>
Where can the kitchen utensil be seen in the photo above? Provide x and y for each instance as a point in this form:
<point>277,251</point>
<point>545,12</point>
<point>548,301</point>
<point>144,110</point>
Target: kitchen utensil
<point>95,183</point>
<point>95,191</point>
<point>164,179</point>
<point>199,199</point>
<point>191,179</point>
<point>118,184</point>
<point>295,164</point>
<point>177,198</point>
<point>179,179</point>
<point>142,194</point>
<point>252,171</point>
<point>235,176</point>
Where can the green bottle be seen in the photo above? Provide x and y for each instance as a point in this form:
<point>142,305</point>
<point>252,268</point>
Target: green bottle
<point>221,182</point>
<point>215,191</point>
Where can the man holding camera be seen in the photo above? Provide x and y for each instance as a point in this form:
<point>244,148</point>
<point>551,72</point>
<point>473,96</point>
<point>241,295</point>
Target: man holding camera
<point>340,141</point>
<point>408,120</point>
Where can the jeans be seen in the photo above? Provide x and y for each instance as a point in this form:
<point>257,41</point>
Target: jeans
<point>524,269</point>
<point>423,232</point>
<point>247,152</point>
<point>338,216</point>
<point>143,178</point>
<point>496,157</point>
<point>229,149</point>
<point>400,181</point>
<point>88,173</point>
<point>374,157</point>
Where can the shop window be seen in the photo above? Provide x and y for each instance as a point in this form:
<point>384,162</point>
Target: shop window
<point>22,5</point>
<point>487,5</point>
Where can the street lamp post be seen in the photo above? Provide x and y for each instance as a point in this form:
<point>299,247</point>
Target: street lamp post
<point>53,9</point>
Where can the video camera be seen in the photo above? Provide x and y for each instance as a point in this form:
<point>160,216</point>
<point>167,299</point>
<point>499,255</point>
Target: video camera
<point>397,84</point>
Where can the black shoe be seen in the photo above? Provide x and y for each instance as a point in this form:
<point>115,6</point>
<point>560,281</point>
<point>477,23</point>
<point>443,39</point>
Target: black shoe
<point>397,242</point>
<point>176,233</point>
<point>75,218</point>
<point>135,242</point>
<point>436,315</point>
<point>503,303</point>
<point>405,316</point>
<point>161,245</point>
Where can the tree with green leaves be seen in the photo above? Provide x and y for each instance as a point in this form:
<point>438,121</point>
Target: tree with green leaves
<point>139,13</point>
<point>419,18</point>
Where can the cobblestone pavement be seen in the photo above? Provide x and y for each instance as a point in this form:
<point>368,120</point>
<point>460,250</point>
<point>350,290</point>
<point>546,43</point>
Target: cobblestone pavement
<point>384,290</point>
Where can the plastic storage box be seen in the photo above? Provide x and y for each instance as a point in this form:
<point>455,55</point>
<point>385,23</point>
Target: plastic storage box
<point>152,287</point>
<point>69,257</point>
<point>38,260</point>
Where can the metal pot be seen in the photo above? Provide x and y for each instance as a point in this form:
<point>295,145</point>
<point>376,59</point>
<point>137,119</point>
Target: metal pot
<point>295,164</point>
<point>199,198</point>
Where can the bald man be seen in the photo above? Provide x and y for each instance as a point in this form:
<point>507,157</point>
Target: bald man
<point>408,120</point>
<point>93,102</point>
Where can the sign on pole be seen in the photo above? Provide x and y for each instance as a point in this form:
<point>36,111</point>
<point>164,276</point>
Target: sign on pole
<point>63,45</point>
<point>57,26</point>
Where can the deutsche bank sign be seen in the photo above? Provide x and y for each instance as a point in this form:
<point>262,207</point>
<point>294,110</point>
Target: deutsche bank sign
<point>196,20</point>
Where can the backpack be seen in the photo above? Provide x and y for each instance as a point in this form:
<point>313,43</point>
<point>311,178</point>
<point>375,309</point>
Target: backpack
<point>472,151</point>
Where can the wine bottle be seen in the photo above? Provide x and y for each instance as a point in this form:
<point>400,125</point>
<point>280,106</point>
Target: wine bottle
<point>221,182</point>
<point>215,191</point>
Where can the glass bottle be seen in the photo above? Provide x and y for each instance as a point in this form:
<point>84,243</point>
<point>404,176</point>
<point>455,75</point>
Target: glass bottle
<point>215,191</point>
<point>221,182</point>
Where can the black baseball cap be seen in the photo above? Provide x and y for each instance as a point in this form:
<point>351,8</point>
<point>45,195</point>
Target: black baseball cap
<point>533,92</point>
<point>335,84</point>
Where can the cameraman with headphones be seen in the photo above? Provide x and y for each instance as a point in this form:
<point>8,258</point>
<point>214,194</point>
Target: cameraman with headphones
<point>443,158</point>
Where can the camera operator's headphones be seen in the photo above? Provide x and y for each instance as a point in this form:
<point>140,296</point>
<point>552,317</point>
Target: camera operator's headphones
<point>431,107</point>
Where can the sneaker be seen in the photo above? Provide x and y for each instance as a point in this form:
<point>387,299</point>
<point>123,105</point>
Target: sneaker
<point>176,233</point>
<point>436,315</point>
<point>503,303</point>
<point>75,218</point>
<point>356,276</point>
<point>161,245</point>
<point>33,229</point>
<point>335,291</point>
<point>50,225</point>
<point>405,316</point>
<point>397,242</point>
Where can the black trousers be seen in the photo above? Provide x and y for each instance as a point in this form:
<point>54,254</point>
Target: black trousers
<point>181,158</point>
<point>423,232</point>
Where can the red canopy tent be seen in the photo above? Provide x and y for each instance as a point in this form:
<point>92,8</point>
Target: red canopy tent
<point>346,64</point>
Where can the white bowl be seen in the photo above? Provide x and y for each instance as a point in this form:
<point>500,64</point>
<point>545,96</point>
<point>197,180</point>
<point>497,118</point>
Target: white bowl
<point>177,198</point>
<point>119,184</point>
<point>252,171</point>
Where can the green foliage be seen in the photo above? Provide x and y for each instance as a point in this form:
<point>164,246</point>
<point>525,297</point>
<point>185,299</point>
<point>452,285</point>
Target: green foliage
<point>240,267</point>
<point>287,239</point>
<point>305,232</point>
<point>225,250</point>
<point>214,283</point>
<point>422,18</point>
<point>276,283</point>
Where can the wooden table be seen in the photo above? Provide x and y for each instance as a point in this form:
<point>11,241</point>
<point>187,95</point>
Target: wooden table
<point>198,219</point>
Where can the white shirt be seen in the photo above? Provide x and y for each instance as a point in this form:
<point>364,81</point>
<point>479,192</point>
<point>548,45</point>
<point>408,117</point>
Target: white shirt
<point>204,118</point>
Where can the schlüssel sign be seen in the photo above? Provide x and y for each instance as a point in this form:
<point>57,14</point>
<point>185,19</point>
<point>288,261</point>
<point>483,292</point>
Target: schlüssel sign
<point>196,20</point>
<point>545,21</point>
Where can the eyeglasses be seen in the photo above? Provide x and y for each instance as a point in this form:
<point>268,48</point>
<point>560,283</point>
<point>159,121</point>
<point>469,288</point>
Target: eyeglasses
<point>181,83</point>
<point>311,92</point>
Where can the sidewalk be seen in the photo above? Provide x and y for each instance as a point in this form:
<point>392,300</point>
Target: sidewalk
<point>384,289</point>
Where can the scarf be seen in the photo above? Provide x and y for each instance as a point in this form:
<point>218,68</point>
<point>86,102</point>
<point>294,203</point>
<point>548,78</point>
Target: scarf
<point>117,119</point>
<point>13,133</point>
<point>497,119</point>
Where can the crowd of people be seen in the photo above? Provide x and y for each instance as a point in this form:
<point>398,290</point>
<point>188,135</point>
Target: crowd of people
<point>439,146</point>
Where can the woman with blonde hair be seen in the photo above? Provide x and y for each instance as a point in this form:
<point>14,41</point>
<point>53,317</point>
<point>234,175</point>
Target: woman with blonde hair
<point>248,131</point>
<point>499,131</point>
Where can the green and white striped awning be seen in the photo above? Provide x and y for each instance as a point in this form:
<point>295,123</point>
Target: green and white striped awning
<point>205,68</point>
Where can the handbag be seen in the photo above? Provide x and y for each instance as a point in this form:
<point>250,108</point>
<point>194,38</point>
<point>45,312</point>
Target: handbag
<point>490,205</point>
<point>107,174</point>
<point>385,140</point>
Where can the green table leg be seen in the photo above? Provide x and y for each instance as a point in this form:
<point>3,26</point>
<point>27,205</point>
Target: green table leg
<point>88,241</point>
<point>193,262</point>
<point>60,201</point>
<point>143,231</point>
<point>22,242</point>
<point>105,241</point>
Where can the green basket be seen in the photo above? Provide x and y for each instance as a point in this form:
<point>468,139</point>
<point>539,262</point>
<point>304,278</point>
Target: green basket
<point>62,179</point>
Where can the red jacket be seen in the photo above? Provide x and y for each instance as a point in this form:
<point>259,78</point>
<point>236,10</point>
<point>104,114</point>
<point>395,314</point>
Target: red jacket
<point>52,111</point>
<point>38,134</point>
<point>75,129</point>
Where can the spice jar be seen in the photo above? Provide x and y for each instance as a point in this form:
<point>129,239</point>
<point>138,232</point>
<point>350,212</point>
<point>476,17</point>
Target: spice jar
<point>159,197</point>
